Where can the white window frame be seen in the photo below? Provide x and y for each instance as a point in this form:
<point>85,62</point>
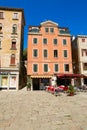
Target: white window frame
<point>64,68</point>
<point>45,43</point>
<point>13,40</point>
<point>14,27</point>
<point>67,53</point>
<point>46,28</point>
<point>0,44</point>
<point>54,67</point>
<point>13,56</point>
<point>37,53</point>
<point>51,28</point>
<point>43,53</point>
<point>33,41</point>
<point>43,68</point>
<point>53,53</point>
<point>54,43</point>
<point>15,15</point>
<point>1,27</point>
<point>33,68</point>
<point>63,43</point>
<point>2,15</point>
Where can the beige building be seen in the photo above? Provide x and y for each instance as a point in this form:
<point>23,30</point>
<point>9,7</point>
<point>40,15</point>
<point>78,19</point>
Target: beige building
<point>79,56</point>
<point>11,46</point>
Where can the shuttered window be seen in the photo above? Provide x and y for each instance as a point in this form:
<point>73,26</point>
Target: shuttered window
<point>1,15</point>
<point>12,59</point>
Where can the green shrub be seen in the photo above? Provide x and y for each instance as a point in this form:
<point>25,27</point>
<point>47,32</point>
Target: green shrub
<point>71,89</point>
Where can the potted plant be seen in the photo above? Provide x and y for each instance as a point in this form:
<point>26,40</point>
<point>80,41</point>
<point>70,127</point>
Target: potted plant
<point>28,86</point>
<point>71,91</point>
<point>28,83</point>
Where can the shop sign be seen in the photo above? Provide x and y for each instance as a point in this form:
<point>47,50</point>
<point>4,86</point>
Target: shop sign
<point>14,72</point>
<point>4,73</point>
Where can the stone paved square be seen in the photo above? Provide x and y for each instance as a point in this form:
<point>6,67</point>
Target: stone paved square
<point>40,110</point>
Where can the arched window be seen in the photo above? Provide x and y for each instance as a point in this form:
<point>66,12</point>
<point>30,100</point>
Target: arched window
<point>0,44</point>
<point>0,27</point>
<point>13,44</point>
<point>12,62</point>
<point>14,28</point>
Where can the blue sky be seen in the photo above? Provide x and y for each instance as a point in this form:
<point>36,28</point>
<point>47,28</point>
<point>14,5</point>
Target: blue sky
<point>67,13</point>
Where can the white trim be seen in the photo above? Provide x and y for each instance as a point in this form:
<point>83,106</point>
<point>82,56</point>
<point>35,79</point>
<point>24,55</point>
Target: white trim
<point>43,67</point>
<point>15,15</point>
<point>37,52</point>
<point>63,53</point>
<point>51,31</point>
<point>83,36</point>
<point>43,53</point>
<point>33,41</point>
<point>66,42</point>
<point>48,22</point>
<point>1,11</point>
<point>0,44</point>
<point>64,67</point>
<point>54,67</point>
<point>53,41</point>
<point>43,42</point>
<point>37,67</point>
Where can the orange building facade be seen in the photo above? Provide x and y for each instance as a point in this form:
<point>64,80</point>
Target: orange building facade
<point>49,53</point>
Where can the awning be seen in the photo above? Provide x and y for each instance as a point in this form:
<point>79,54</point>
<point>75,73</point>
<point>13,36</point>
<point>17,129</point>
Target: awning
<point>41,76</point>
<point>71,75</point>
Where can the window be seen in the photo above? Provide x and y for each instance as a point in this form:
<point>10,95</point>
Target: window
<point>55,53</point>
<point>12,62</point>
<point>65,53</point>
<point>83,39</point>
<point>84,66</point>
<point>13,81</point>
<point>13,46</point>
<point>66,67</point>
<point>64,42</point>
<point>0,44</point>
<point>44,40</point>
<point>84,52</point>
<point>55,41</point>
<point>45,53</point>
<point>35,40</point>
<point>35,52</point>
<point>14,28</point>
<point>4,81</point>
<point>51,30</point>
<point>35,68</point>
<point>0,62</point>
<point>0,27</point>
<point>56,67</point>
<point>45,67</point>
<point>15,16</point>
<point>47,30</point>
<point>1,15</point>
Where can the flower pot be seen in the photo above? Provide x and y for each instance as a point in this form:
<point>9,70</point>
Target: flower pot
<point>28,89</point>
<point>71,94</point>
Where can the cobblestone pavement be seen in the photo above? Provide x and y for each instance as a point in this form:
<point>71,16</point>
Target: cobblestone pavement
<point>40,110</point>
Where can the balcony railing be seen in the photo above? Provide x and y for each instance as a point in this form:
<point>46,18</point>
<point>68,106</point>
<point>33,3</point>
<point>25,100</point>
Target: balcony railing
<point>64,32</point>
<point>34,31</point>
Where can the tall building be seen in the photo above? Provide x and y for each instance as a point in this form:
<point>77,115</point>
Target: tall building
<point>49,53</point>
<point>79,57</point>
<point>11,47</point>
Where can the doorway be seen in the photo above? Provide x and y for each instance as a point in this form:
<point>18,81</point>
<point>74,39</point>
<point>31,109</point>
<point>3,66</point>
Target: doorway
<point>63,81</point>
<point>36,84</point>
